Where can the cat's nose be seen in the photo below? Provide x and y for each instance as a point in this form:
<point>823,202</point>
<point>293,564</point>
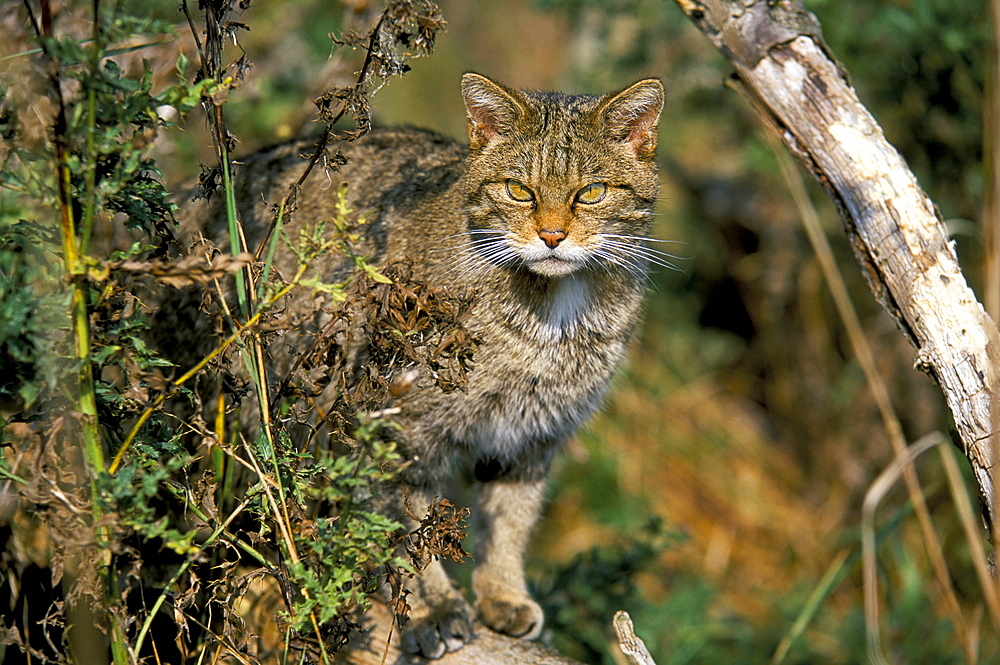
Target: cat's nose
<point>552,238</point>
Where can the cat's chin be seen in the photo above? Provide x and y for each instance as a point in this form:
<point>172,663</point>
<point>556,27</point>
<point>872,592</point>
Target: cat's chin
<point>553,267</point>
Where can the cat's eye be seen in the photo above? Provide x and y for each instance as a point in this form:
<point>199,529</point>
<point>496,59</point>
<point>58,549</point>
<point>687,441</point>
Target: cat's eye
<point>592,193</point>
<point>519,192</point>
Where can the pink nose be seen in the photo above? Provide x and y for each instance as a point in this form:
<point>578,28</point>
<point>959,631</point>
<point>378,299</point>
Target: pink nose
<point>552,238</point>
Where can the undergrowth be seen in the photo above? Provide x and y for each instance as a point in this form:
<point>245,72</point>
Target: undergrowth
<point>165,531</point>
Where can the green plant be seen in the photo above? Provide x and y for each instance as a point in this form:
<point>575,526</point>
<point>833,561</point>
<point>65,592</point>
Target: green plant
<point>120,463</point>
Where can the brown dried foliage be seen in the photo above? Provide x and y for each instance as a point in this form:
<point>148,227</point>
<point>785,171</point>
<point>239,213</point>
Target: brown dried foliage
<point>215,598</point>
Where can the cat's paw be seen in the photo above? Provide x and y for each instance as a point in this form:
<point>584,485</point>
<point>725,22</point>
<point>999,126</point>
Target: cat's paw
<point>514,615</point>
<point>439,630</point>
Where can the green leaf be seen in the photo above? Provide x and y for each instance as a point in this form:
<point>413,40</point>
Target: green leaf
<point>373,272</point>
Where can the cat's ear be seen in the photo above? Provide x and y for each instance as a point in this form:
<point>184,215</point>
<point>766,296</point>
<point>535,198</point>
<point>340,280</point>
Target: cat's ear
<point>493,109</point>
<point>630,116</point>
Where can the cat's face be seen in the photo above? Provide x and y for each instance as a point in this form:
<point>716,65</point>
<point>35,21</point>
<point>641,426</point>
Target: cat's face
<point>559,183</point>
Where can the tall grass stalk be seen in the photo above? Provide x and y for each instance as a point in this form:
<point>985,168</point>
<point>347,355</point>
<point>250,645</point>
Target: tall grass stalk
<point>835,573</point>
<point>973,535</point>
<point>84,397</point>
<point>873,497</point>
<point>876,384</point>
<point>74,245</point>
<point>251,349</point>
<point>991,234</point>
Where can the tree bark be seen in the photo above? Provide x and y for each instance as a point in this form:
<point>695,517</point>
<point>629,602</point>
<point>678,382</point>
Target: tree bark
<point>632,646</point>
<point>804,95</point>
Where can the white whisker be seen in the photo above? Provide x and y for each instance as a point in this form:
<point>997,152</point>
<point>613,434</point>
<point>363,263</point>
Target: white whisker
<point>641,238</point>
<point>477,255</point>
<point>654,256</point>
<point>645,251</point>
<point>623,262</point>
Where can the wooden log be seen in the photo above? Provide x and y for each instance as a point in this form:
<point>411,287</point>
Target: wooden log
<point>804,95</point>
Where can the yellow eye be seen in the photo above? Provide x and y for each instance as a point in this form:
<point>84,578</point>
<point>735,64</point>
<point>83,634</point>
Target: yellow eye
<point>519,192</point>
<point>592,193</point>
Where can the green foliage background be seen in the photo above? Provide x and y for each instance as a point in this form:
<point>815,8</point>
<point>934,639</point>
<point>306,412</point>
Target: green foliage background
<point>724,479</point>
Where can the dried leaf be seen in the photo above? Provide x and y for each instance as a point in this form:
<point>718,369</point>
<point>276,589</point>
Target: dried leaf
<point>186,271</point>
<point>439,535</point>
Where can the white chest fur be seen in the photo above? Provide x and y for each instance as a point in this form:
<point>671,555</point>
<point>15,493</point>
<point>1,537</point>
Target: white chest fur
<point>569,303</point>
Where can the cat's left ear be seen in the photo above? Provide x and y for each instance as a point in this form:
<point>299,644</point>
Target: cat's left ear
<point>630,116</point>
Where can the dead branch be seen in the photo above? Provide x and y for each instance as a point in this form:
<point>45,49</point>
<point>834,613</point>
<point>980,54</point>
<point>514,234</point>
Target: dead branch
<point>631,644</point>
<point>801,92</point>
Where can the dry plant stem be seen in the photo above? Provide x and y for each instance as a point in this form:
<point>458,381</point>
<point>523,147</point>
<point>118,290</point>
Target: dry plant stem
<point>158,402</point>
<point>991,217</point>
<point>896,235</point>
<point>182,569</point>
<point>972,535</point>
<point>246,294</point>
<point>211,67</point>
<point>86,400</point>
<point>280,515</point>
<point>880,392</point>
<point>873,497</point>
<point>991,170</point>
<point>223,642</point>
<point>90,199</point>
<point>83,635</point>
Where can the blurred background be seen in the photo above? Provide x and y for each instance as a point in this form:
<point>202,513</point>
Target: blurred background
<point>724,479</point>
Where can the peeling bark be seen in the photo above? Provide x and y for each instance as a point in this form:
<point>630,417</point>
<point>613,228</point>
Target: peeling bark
<point>804,95</point>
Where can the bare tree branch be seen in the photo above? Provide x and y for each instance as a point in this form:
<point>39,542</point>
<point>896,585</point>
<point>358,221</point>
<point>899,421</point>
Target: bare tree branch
<point>803,94</point>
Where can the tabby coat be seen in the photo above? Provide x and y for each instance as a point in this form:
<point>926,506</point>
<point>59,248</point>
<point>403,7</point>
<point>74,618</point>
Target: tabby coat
<point>540,222</point>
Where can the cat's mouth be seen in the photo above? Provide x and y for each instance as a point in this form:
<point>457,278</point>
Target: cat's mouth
<point>553,266</point>
<point>568,257</point>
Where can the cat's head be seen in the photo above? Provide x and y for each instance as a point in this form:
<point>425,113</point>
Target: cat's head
<point>556,183</point>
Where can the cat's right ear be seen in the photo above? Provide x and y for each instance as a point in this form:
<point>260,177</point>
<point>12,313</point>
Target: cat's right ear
<point>632,114</point>
<point>493,109</point>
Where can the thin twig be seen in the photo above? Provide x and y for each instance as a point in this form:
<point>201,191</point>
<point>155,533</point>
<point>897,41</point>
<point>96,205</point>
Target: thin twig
<point>288,201</point>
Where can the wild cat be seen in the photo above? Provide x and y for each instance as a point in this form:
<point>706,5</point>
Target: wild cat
<point>540,223</point>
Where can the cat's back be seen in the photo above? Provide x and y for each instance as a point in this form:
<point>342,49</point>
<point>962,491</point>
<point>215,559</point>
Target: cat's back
<point>387,173</point>
<point>395,169</point>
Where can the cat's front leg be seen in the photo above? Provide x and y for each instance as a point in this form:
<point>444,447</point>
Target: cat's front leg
<point>440,619</point>
<point>508,509</point>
